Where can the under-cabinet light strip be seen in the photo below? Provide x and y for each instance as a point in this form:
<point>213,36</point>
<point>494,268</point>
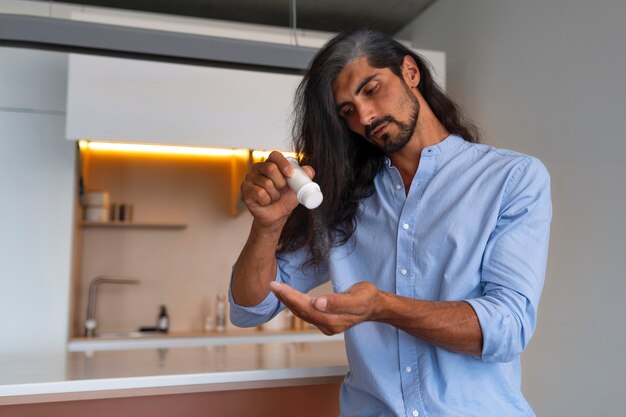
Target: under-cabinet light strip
<point>161,149</point>
<point>258,156</point>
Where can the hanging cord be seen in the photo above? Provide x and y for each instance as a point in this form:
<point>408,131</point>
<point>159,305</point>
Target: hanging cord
<point>293,21</point>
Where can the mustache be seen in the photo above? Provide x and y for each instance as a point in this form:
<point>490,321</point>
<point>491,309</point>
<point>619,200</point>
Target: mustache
<point>376,123</point>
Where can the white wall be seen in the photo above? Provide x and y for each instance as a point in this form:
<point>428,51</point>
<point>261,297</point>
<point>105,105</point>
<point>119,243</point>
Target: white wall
<point>547,78</point>
<point>36,202</point>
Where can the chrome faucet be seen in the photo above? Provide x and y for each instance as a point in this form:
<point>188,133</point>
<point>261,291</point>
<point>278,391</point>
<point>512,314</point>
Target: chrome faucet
<point>91,323</point>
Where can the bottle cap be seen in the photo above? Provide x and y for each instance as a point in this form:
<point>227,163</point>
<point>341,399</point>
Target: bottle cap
<point>310,195</point>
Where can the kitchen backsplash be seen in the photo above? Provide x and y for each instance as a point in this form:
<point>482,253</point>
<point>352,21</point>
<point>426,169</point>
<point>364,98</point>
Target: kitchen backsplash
<point>183,269</point>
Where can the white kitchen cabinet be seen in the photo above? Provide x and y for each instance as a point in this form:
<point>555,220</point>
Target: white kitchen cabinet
<point>37,182</point>
<point>32,81</point>
<point>143,101</point>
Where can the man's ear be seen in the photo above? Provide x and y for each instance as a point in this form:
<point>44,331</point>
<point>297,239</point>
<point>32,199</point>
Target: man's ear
<point>410,72</point>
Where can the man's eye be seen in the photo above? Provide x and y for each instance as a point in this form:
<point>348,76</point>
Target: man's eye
<point>372,90</point>
<point>347,111</point>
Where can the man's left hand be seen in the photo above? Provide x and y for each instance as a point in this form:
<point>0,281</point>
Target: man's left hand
<point>332,313</point>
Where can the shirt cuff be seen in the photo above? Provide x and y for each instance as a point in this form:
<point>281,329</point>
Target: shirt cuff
<point>493,325</point>
<point>256,315</point>
<point>268,305</point>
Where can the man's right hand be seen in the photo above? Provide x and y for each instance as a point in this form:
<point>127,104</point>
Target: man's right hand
<point>266,193</point>
<point>271,201</point>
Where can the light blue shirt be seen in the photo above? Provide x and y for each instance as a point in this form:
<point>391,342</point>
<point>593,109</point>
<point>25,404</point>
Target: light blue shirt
<point>474,226</point>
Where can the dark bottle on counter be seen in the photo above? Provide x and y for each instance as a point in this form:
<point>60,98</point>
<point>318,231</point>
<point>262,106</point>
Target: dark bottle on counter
<point>163,323</point>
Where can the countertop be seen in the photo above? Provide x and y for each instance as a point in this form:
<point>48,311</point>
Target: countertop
<point>123,373</point>
<point>189,339</point>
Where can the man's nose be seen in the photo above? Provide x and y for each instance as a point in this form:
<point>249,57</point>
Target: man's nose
<point>367,115</point>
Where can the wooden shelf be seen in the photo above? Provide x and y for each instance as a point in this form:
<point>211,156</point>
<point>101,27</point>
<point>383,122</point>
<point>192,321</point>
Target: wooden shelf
<point>135,225</point>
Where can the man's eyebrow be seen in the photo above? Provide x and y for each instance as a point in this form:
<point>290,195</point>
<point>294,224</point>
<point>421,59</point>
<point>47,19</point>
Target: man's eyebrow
<point>364,82</point>
<point>358,89</point>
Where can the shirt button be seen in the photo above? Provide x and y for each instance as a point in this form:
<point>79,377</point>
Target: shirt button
<point>415,413</point>
<point>405,226</point>
<point>408,369</point>
<point>403,271</point>
<point>398,186</point>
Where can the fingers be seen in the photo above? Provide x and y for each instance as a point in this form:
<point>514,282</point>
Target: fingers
<point>266,183</point>
<point>358,301</point>
<point>281,163</point>
<point>264,189</point>
<point>307,308</point>
<point>285,166</point>
<point>321,303</point>
<point>299,303</point>
<point>309,171</point>
<point>266,180</point>
<point>338,304</point>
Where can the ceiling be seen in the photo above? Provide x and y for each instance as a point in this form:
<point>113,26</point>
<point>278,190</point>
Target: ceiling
<point>387,16</point>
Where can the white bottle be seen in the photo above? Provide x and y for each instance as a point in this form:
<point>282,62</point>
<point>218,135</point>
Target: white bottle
<point>307,191</point>
<point>220,313</point>
<point>209,324</point>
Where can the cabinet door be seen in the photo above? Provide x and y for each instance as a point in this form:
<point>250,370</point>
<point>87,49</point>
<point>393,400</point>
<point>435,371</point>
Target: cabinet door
<point>143,101</point>
<point>32,81</point>
<point>37,185</point>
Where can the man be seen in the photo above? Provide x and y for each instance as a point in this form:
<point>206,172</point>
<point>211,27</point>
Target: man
<point>435,245</point>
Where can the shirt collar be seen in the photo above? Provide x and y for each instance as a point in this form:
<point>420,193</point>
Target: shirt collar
<point>449,143</point>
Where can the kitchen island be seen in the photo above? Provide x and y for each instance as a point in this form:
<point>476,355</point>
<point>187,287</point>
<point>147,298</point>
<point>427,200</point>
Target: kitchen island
<point>289,378</point>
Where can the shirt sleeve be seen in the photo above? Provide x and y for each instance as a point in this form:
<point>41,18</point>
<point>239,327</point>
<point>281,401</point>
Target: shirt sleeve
<point>514,264</point>
<point>291,271</point>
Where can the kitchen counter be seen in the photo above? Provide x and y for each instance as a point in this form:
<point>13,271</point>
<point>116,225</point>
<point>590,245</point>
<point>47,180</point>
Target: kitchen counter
<point>26,379</point>
<point>137,340</point>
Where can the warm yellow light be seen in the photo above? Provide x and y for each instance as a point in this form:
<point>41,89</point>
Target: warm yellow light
<point>259,156</point>
<point>169,150</point>
<point>161,149</point>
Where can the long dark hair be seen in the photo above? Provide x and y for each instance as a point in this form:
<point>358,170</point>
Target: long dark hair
<point>345,163</point>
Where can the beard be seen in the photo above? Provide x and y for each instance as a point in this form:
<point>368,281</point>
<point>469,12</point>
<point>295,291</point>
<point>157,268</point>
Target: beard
<point>388,143</point>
